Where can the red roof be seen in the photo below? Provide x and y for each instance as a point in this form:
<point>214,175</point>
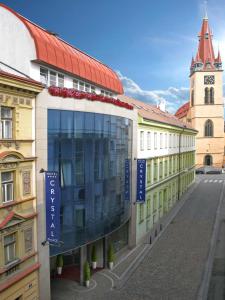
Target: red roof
<point>183,110</point>
<point>53,51</point>
<point>205,52</point>
<point>151,112</point>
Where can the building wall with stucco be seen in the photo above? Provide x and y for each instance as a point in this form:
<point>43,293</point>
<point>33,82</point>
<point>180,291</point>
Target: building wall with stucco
<point>18,217</point>
<point>201,112</point>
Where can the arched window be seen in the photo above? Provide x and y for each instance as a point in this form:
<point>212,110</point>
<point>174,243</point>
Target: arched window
<point>208,128</point>
<point>206,95</point>
<point>208,160</point>
<point>192,98</point>
<point>211,95</point>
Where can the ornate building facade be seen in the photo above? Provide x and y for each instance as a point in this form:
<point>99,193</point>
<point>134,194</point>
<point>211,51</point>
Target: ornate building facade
<point>18,227</point>
<point>205,109</point>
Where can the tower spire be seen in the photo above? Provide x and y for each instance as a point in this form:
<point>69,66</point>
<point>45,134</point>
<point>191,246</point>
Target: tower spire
<point>206,10</point>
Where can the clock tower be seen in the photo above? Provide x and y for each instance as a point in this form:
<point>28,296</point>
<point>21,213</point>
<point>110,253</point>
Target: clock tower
<point>206,109</point>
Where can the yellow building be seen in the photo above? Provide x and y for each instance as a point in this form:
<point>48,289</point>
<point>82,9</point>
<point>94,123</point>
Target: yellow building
<point>18,230</point>
<point>205,109</point>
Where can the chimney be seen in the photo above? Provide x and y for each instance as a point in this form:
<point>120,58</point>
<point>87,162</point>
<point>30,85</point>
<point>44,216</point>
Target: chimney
<point>162,105</point>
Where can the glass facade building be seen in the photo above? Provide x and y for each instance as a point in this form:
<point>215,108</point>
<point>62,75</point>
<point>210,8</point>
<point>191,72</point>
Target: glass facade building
<point>89,151</point>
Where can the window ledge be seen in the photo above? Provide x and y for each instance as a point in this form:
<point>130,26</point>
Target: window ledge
<point>12,264</point>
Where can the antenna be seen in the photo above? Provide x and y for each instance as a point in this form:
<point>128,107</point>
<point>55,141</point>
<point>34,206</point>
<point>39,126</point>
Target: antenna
<point>206,9</point>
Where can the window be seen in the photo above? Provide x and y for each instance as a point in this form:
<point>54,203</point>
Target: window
<point>6,122</point>
<point>52,78</point>
<point>166,168</point>
<point>92,89</point>
<point>155,170</point>
<point>76,84</point>
<point>141,213</point>
<point>60,80</point>
<point>149,172</point>
<point>209,128</point>
<point>206,95</point>
<point>102,92</point>
<point>7,186</point>
<point>10,248</point>
<point>160,169</point>
<point>161,140</point>
<point>87,88</point>
<point>170,165</point>
<point>44,76</point>
<point>154,202</point>
<point>170,141</point>
<point>155,140</point>
<point>26,183</point>
<point>28,239</point>
<point>149,140</point>
<point>142,140</point>
<point>166,144</point>
<point>148,205</point>
<point>81,86</point>
<point>211,95</point>
<point>192,98</point>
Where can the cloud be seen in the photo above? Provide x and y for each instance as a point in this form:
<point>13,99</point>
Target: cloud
<point>173,96</point>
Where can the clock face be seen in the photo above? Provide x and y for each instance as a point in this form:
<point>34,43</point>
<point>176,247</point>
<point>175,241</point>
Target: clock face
<point>209,79</point>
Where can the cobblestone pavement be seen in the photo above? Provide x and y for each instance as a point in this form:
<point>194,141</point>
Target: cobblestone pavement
<point>173,269</point>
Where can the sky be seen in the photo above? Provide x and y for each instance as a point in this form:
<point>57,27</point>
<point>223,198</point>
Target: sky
<point>148,43</point>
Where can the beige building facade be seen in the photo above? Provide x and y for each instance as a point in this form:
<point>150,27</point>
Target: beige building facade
<point>18,215</point>
<point>205,109</point>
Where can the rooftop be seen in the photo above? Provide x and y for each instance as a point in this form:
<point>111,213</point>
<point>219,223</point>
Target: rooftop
<point>53,51</point>
<point>153,113</point>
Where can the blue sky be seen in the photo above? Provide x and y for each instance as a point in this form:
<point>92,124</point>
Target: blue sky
<point>149,43</point>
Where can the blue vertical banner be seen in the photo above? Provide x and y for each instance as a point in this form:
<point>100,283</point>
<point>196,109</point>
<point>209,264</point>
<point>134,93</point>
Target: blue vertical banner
<point>141,177</point>
<point>127,179</point>
<point>52,199</point>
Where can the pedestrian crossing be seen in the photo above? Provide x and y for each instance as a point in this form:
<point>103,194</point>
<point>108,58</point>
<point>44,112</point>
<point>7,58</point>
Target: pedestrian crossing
<point>213,181</point>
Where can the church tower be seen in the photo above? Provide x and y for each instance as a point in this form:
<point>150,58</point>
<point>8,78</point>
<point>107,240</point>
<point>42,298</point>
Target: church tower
<point>206,109</point>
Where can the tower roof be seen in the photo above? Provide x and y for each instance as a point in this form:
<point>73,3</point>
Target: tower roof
<point>205,54</point>
<point>205,47</point>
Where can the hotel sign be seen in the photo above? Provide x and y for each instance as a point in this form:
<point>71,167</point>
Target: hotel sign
<point>141,174</point>
<point>127,179</point>
<point>52,198</point>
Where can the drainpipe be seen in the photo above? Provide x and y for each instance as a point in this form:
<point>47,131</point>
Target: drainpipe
<point>179,163</point>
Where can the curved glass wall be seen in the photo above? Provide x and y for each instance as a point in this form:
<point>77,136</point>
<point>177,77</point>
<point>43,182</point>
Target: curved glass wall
<point>89,152</point>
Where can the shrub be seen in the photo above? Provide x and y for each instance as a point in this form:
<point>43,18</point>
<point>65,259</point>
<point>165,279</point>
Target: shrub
<point>87,272</point>
<point>93,253</point>
<point>59,260</point>
<point>111,253</point>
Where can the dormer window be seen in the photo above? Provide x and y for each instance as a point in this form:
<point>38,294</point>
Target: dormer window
<point>44,76</point>
<point>52,78</point>
<point>60,80</point>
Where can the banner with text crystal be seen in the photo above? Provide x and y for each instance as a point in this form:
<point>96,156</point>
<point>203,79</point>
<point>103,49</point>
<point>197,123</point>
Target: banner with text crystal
<point>127,179</point>
<point>141,173</point>
<point>52,198</point>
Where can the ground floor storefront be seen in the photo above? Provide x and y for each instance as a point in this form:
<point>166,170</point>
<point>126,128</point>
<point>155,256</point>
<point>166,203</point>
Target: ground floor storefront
<point>74,260</point>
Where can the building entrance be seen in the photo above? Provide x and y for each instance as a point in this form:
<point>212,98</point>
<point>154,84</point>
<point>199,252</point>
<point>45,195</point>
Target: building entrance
<point>208,160</point>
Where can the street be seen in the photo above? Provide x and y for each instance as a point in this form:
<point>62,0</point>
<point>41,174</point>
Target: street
<point>174,267</point>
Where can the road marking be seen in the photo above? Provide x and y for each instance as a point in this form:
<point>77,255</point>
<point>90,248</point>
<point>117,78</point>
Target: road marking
<point>215,180</point>
<point>112,281</point>
<point>205,181</point>
<point>220,181</point>
<point>211,180</point>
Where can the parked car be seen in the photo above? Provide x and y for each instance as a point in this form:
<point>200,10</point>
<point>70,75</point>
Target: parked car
<point>208,170</point>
